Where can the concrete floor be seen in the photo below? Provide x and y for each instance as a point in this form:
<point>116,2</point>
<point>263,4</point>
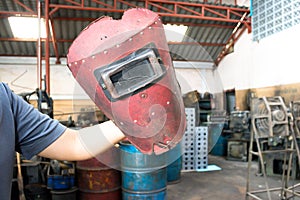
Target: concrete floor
<point>229,183</point>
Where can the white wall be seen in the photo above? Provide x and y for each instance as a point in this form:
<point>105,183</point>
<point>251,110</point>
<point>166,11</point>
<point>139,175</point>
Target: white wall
<point>199,76</point>
<point>21,76</point>
<point>272,61</point>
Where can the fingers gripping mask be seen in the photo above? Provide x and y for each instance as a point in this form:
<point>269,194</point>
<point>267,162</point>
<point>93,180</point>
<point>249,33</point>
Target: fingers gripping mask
<point>126,69</point>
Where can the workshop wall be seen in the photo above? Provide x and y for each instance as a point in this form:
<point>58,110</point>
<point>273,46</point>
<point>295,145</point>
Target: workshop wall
<point>269,67</point>
<point>272,61</point>
<point>20,74</point>
<point>289,92</point>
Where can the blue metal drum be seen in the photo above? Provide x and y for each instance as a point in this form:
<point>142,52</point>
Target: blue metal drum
<point>174,161</point>
<point>144,196</point>
<point>144,177</point>
<point>174,171</point>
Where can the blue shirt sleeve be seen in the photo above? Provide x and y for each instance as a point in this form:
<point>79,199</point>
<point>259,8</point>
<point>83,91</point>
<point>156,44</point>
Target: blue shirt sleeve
<point>34,131</point>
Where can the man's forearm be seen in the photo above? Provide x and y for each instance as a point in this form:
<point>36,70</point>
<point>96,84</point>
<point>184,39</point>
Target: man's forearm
<point>74,145</point>
<point>96,139</point>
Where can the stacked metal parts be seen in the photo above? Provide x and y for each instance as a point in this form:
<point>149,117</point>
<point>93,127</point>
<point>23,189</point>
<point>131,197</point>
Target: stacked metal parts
<point>194,144</point>
<point>273,133</point>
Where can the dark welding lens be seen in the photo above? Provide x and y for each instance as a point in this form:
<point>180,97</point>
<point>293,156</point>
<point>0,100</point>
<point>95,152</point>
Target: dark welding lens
<point>130,74</point>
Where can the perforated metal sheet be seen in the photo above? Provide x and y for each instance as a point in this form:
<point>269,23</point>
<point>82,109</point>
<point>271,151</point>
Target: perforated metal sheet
<point>201,147</point>
<point>194,144</point>
<point>188,140</point>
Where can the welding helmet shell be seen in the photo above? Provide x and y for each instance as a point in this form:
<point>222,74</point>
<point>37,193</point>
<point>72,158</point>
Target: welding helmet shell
<point>126,69</point>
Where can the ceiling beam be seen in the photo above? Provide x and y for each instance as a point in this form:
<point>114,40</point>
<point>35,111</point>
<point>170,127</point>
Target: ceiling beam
<point>4,13</point>
<point>27,11</point>
<point>90,19</point>
<point>230,44</point>
<point>23,6</point>
<point>166,8</point>
<point>70,41</point>
<point>163,8</point>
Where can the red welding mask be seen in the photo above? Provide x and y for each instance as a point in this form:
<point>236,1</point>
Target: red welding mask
<point>126,69</point>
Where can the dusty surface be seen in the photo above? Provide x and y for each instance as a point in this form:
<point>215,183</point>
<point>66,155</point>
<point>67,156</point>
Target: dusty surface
<point>229,183</point>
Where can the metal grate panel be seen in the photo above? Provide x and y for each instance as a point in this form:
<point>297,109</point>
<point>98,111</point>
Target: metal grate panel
<point>188,140</point>
<point>194,148</point>
<point>201,147</point>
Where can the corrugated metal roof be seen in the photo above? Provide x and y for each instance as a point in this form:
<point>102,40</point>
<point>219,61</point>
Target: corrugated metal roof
<point>203,42</point>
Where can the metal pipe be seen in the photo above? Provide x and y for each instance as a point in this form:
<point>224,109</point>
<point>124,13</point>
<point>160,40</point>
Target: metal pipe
<point>39,46</point>
<point>47,48</point>
<point>54,43</point>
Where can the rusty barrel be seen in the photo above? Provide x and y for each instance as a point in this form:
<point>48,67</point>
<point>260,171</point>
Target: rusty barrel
<point>143,176</point>
<point>98,181</point>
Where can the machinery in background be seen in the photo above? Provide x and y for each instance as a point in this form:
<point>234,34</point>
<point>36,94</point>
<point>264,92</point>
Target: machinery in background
<point>44,178</point>
<point>205,124</point>
<point>275,162</point>
<point>44,101</point>
<point>206,105</point>
<point>295,110</point>
<point>273,132</point>
<point>60,175</point>
<point>203,104</point>
<point>31,173</point>
<point>239,135</point>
